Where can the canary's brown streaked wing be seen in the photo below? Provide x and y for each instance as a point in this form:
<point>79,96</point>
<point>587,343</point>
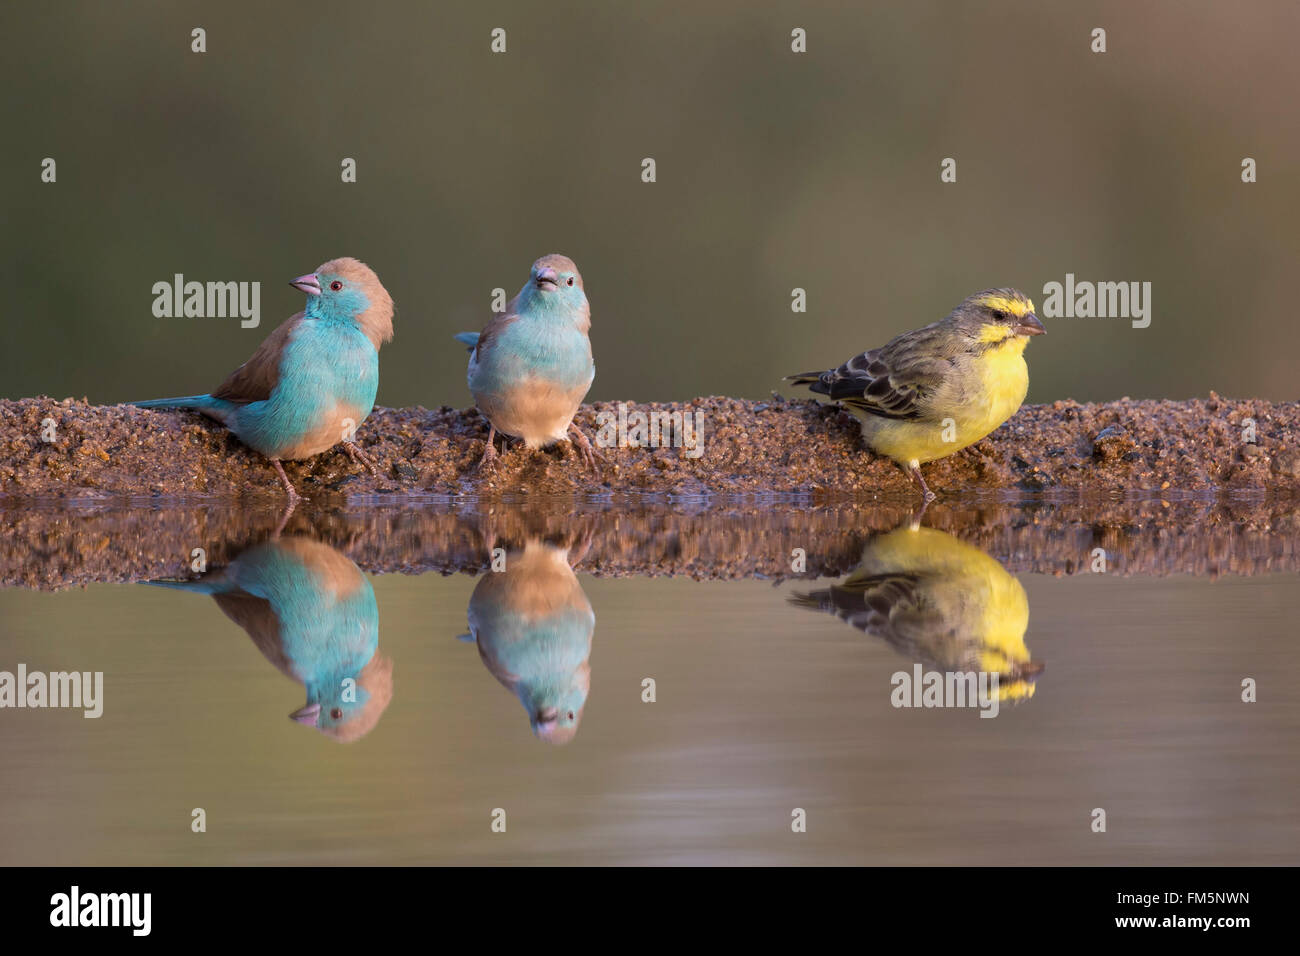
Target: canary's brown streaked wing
<point>890,606</point>
<point>892,381</point>
<point>254,380</point>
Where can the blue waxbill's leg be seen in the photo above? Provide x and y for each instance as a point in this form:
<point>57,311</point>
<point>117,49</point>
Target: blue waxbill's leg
<point>583,444</point>
<point>579,550</point>
<point>290,502</point>
<point>489,452</point>
<point>294,497</point>
<point>284,518</point>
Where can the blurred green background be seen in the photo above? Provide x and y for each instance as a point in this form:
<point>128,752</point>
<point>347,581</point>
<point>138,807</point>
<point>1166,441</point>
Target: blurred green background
<point>775,170</point>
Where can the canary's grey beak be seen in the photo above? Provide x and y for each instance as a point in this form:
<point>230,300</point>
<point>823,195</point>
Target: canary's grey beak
<point>1029,325</point>
<point>548,276</point>
<point>307,715</point>
<point>308,283</point>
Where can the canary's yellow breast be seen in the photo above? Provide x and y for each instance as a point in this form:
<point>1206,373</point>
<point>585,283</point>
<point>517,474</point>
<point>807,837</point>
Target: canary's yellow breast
<point>981,395</point>
<point>978,600</point>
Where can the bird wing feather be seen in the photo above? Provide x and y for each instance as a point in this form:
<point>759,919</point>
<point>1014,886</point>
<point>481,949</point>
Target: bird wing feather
<point>256,379</point>
<point>895,380</point>
<point>496,325</point>
<point>892,606</point>
<point>257,617</point>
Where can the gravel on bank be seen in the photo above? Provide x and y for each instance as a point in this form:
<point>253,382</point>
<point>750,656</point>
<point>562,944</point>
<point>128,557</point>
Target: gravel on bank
<point>70,449</point>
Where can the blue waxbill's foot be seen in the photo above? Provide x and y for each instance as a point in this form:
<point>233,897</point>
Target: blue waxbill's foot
<point>357,455</point>
<point>585,451</point>
<point>488,461</point>
<point>294,497</point>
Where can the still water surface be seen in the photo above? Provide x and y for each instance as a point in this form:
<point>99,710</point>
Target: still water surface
<point>521,690</point>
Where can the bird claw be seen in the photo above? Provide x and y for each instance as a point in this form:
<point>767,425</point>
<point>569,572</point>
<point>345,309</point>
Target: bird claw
<point>357,455</point>
<point>926,494</point>
<point>489,460</point>
<point>582,444</point>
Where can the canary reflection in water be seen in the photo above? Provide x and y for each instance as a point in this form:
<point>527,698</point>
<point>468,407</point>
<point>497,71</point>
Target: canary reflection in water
<point>938,601</point>
<point>533,626</point>
<point>312,613</point>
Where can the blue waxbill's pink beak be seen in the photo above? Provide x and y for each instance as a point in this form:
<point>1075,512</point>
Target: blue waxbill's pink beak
<point>307,715</point>
<point>548,278</point>
<point>308,283</point>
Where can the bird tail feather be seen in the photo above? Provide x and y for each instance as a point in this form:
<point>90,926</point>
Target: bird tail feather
<point>467,338</point>
<point>805,378</point>
<point>813,600</point>
<point>198,587</point>
<point>813,381</point>
<point>185,401</point>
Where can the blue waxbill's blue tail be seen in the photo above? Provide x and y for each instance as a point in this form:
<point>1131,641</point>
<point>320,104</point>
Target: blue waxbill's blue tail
<point>196,402</point>
<point>468,338</point>
<point>215,585</point>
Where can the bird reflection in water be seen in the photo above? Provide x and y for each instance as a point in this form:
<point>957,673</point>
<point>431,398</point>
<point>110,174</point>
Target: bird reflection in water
<point>940,602</point>
<point>533,625</point>
<point>312,613</point>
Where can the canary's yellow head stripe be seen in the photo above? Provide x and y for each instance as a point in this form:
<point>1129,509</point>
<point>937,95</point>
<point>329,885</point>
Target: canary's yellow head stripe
<point>1015,690</point>
<point>1014,306</point>
<point>993,332</point>
<point>1007,661</point>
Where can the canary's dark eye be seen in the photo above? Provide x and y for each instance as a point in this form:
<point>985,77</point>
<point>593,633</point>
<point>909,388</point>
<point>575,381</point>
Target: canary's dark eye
<point>336,713</point>
<point>336,285</point>
<point>570,280</point>
<point>999,315</point>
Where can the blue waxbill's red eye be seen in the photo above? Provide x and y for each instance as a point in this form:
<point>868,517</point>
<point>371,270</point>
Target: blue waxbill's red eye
<point>336,713</point>
<point>336,285</point>
<point>570,280</point>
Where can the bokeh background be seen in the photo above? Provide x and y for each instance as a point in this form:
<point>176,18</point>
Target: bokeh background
<point>775,170</point>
